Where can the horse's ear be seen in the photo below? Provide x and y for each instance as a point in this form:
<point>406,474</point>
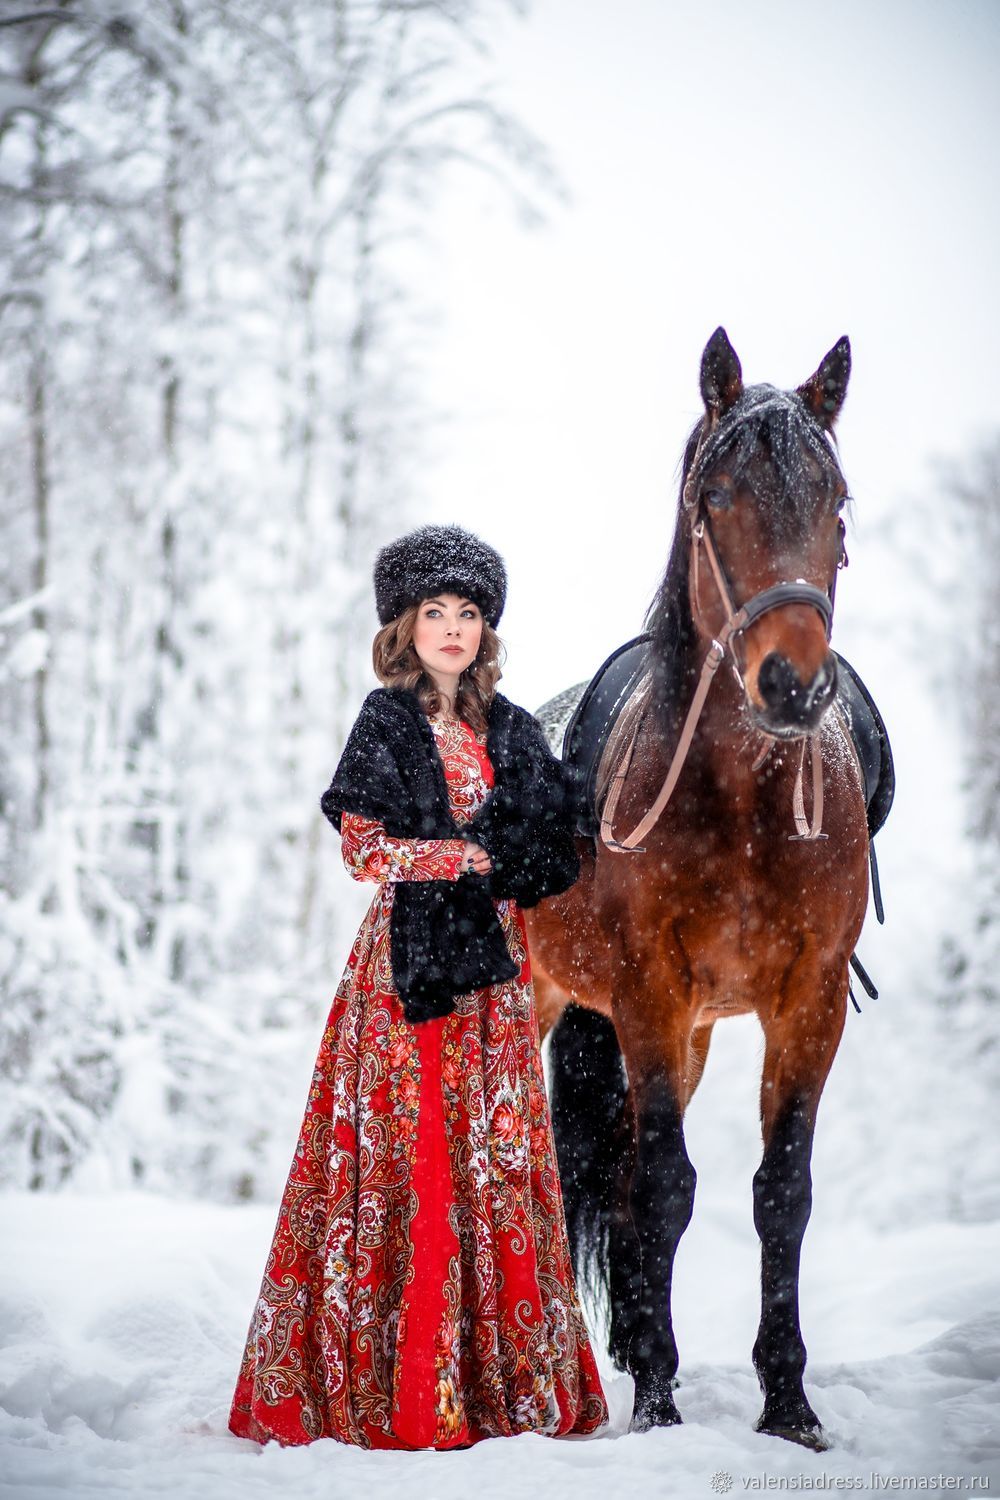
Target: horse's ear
<point>721,376</point>
<point>824,392</point>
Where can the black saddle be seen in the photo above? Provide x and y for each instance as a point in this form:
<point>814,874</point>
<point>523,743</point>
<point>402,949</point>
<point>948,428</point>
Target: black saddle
<point>612,685</point>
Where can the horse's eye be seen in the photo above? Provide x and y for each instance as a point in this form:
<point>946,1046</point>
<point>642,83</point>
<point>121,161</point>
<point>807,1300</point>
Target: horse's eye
<point>717,499</point>
<point>840,503</point>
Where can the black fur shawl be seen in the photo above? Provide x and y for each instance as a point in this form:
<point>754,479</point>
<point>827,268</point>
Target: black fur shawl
<point>446,938</point>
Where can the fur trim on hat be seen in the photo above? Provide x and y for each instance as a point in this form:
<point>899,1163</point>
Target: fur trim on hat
<point>439,560</point>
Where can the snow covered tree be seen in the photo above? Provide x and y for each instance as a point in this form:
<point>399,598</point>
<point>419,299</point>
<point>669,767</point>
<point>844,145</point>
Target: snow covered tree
<point>974,958</point>
<point>207,397</point>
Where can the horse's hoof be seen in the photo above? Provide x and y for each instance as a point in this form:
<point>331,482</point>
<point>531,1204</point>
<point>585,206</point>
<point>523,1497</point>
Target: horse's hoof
<point>807,1434</point>
<point>654,1411</point>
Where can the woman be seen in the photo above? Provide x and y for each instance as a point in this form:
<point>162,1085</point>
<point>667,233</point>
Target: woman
<point>419,1292</point>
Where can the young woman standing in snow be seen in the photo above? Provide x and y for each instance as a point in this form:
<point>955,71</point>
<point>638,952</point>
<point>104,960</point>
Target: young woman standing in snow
<point>419,1291</point>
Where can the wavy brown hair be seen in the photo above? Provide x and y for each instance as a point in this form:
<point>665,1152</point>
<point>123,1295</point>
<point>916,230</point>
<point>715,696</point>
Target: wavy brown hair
<point>397,665</point>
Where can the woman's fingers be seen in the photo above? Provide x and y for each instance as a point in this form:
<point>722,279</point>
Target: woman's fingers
<point>477,860</point>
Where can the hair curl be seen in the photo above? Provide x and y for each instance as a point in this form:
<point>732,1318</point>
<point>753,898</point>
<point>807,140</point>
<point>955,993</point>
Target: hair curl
<point>397,665</point>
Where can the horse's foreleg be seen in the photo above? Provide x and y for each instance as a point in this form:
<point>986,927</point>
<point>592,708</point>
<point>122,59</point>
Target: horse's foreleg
<point>797,1062</point>
<point>661,1197</point>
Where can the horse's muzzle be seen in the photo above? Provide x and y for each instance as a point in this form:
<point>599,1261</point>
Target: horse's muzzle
<point>791,707</point>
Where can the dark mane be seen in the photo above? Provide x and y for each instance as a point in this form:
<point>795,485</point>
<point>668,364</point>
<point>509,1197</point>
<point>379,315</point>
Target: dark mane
<point>668,619</point>
<point>780,423</point>
<point>766,420</point>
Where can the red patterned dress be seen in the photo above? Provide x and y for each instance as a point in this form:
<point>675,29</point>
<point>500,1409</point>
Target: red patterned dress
<point>418,1292</point>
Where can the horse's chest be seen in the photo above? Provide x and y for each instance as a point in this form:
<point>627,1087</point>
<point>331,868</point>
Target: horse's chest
<point>740,885</point>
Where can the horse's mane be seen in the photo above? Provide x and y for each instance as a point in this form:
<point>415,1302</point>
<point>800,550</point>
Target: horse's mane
<point>668,619</point>
<point>780,423</point>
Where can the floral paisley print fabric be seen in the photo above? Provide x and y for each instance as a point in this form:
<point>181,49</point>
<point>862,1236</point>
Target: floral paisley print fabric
<point>418,1291</point>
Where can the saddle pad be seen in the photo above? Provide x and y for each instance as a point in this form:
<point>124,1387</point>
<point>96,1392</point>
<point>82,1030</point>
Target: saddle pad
<point>871,741</point>
<point>605,697</point>
<point>596,715</point>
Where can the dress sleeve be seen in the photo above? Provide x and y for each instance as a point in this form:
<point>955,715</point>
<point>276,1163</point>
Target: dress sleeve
<point>372,854</point>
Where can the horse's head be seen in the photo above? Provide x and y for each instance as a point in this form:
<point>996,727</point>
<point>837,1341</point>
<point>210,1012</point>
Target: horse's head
<point>761,502</point>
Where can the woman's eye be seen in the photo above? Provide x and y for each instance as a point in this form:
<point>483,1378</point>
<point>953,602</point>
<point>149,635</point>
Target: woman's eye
<point>431,614</point>
<point>717,499</point>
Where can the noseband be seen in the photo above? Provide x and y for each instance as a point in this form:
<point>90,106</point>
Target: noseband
<point>776,596</point>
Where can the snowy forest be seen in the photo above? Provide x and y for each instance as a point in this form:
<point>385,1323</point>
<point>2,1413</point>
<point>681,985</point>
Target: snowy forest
<point>208,404</point>
<point>232,277</point>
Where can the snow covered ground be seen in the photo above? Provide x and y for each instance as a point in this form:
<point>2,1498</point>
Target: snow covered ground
<point>122,1317</point>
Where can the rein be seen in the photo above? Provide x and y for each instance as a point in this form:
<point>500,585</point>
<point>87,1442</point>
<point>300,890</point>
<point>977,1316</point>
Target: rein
<point>737,620</point>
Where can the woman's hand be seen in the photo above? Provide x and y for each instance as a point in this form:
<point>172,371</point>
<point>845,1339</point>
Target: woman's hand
<point>476,861</point>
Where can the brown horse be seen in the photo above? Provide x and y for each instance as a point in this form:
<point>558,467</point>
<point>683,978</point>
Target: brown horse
<point>725,909</point>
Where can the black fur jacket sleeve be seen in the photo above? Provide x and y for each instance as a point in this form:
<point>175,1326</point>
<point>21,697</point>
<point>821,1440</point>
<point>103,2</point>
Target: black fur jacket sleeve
<point>445,936</point>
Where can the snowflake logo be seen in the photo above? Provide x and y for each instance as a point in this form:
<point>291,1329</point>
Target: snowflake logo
<point>721,1482</point>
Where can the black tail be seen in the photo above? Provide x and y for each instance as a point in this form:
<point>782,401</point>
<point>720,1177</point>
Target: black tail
<point>594,1134</point>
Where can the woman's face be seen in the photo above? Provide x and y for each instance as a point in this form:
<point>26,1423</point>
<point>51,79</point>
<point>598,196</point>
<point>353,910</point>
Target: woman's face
<point>446,638</point>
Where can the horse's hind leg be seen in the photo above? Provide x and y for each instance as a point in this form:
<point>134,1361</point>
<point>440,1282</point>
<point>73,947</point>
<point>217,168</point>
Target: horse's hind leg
<point>592,1124</point>
<point>661,1198</point>
<point>700,1040</point>
<point>801,1045</point>
<point>550,999</point>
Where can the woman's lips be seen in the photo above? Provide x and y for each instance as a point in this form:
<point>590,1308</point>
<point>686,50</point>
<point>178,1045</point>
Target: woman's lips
<point>453,650</point>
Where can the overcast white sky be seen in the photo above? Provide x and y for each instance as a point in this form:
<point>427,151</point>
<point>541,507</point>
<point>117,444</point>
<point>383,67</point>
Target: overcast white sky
<point>792,171</point>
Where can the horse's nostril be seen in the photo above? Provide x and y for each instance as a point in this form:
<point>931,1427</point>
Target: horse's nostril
<point>784,692</point>
<point>778,681</point>
<point>824,685</point>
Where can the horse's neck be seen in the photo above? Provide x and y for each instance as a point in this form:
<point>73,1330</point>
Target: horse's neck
<point>724,739</point>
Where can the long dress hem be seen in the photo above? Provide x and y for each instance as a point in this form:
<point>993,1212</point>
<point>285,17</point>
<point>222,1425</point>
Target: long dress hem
<point>419,1292</point>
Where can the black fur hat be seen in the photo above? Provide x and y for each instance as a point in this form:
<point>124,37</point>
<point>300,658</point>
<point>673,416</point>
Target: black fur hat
<point>439,560</point>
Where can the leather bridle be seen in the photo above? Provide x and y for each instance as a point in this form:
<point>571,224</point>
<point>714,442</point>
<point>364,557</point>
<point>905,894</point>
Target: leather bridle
<point>776,596</point>
<point>623,740</point>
